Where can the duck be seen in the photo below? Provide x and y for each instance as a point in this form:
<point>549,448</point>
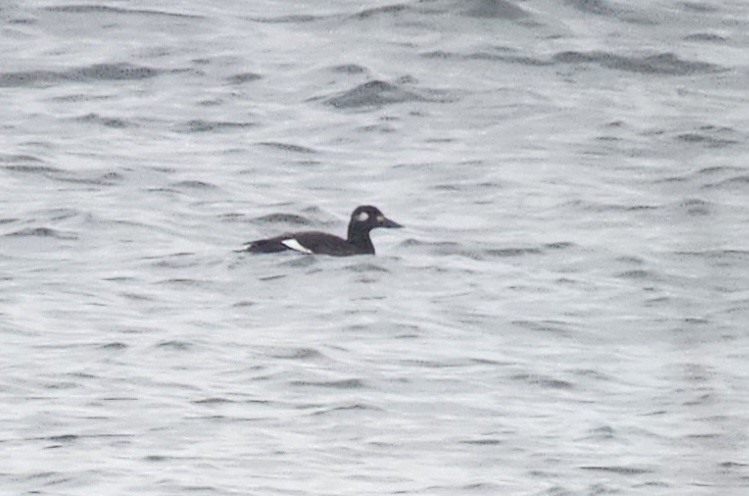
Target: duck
<point>364,218</point>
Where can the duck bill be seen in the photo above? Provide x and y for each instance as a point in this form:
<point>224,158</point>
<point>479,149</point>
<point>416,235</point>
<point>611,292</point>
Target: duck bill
<point>389,223</point>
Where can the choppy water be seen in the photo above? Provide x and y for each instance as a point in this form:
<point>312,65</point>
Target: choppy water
<point>566,312</point>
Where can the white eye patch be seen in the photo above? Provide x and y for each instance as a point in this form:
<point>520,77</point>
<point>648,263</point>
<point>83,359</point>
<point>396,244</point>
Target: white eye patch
<point>362,216</point>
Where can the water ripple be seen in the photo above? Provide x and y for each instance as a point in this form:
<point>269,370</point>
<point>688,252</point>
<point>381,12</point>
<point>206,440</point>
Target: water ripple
<point>96,72</point>
<point>105,9</point>
<point>664,63</point>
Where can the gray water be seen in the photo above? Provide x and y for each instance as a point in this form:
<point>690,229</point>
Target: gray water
<point>565,312</point>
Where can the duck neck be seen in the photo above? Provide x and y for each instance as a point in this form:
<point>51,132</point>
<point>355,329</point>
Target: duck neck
<point>360,238</point>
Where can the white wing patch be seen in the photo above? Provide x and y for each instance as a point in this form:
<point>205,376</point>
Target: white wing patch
<point>293,244</point>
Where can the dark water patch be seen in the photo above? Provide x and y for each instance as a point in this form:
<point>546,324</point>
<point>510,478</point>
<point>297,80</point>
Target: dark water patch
<point>109,178</point>
<point>7,220</point>
<point>96,72</point>
<point>455,249</point>
<point>495,9</point>
<point>664,63</point>
<point>116,346</point>
<point>700,436</point>
<point>199,489</point>
<point>287,147</point>
<point>244,304</point>
<point>78,97</point>
<point>79,375</point>
<point>95,179</point>
<point>377,11</point>
<point>467,186</point>
<point>162,190</point>
<point>299,354</point>
<point>488,56</point>
<point>544,382</point>
<point>342,384</point>
<point>193,184</point>
<point>590,373</point>
<point>203,126</point>
<point>287,19</point>
<point>740,181</point>
<point>550,326</point>
<point>608,9</point>
<point>448,248</point>
<point>513,252</point>
<point>696,207</point>
<point>233,218</point>
<point>373,94</point>
<point>64,438</point>
<point>28,78</point>
<point>111,122</point>
<point>355,407</point>
<point>272,278</point>
<point>484,361</point>
<point>711,135</point>
<point>719,169</point>
<point>659,300</point>
<point>418,166</point>
<point>212,401</point>
<point>157,458</point>
<point>378,128</point>
<point>655,413</point>
<point>42,232</point>
<point>24,21</point>
<point>482,442</point>
<point>672,179</point>
<point>432,364</point>
<point>175,345</point>
<point>559,245</point>
<point>693,202</point>
<point>610,139</point>
<point>554,490</point>
<point>112,72</point>
<point>190,283</point>
<point>104,9</point>
<point>63,385</point>
<point>474,487</point>
<point>282,218</point>
<point>699,7</point>
<point>440,54</point>
<point>365,267</point>
<point>244,77</point>
<point>136,296</point>
<point>616,469</point>
<point>630,259</point>
<point>33,169</point>
<point>510,59</point>
<point>707,37</point>
<point>568,281</point>
<point>349,69</point>
<point>603,433</point>
<point>637,274</point>
<point>41,475</point>
<point>610,207</point>
<point>598,7</point>
<point>436,244</point>
<point>695,321</point>
<point>12,158</point>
